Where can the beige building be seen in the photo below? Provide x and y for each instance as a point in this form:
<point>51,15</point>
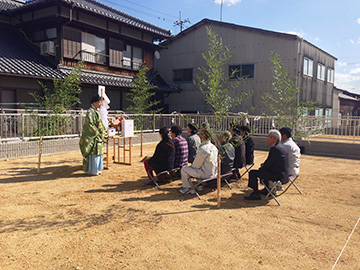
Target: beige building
<point>312,68</point>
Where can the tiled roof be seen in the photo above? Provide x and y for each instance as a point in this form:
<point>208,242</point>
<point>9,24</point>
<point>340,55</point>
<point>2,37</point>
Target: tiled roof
<point>100,78</point>
<point>105,10</point>
<point>10,4</point>
<point>17,57</point>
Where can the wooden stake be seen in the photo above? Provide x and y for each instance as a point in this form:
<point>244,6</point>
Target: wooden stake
<point>40,150</point>
<point>218,181</point>
<point>141,144</point>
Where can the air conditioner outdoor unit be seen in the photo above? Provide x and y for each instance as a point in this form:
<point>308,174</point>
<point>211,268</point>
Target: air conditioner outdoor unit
<point>47,48</point>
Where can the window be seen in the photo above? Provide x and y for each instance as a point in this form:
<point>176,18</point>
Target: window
<point>242,71</point>
<point>93,48</point>
<point>330,75</point>
<point>183,75</point>
<point>132,57</point>
<point>321,72</point>
<point>308,67</point>
<point>45,34</point>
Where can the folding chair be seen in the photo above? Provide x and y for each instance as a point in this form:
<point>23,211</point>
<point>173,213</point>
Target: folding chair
<point>247,169</point>
<point>278,185</point>
<point>200,182</point>
<point>162,174</point>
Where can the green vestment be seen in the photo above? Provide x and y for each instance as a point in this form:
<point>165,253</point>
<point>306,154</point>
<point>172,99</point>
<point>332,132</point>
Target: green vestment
<point>92,137</point>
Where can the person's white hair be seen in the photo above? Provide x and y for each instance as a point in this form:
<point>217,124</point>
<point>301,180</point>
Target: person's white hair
<point>275,134</point>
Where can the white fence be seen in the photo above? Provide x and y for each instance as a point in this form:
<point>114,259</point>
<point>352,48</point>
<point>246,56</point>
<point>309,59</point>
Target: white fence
<point>27,126</point>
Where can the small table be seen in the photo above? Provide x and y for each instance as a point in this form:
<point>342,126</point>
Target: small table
<point>119,157</point>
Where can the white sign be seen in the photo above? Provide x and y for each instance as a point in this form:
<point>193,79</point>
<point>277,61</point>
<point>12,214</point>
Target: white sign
<point>127,128</point>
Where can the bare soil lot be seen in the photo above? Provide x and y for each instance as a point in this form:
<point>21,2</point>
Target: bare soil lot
<point>63,219</point>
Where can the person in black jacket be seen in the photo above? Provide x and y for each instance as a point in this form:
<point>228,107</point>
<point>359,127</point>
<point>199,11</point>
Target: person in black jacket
<point>164,156</point>
<point>274,168</point>
<point>239,145</point>
<point>249,144</point>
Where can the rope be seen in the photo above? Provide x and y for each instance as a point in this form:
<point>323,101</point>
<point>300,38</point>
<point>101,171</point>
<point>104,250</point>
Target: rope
<point>345,244</point>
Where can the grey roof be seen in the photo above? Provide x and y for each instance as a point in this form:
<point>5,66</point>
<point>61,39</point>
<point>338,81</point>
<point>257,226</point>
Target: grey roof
<point>100,78</point>
<point>105,10</point>
<point>10,4</point>
<point>18,57</point>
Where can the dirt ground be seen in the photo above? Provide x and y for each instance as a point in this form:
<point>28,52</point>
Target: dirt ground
<point>63,219</point>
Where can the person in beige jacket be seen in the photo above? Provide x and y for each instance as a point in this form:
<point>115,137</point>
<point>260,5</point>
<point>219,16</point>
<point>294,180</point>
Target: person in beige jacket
<point>204,165</point>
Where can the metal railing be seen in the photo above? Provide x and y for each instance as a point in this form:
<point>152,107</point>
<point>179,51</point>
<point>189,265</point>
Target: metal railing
<point>25,126</point>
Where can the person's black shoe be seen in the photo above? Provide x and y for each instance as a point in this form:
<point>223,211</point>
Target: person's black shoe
<point>263,192</point>
<point>253,197</point>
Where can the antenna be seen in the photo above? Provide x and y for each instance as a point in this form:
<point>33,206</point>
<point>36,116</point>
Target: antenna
<point>221,10</point>
<point>181,23</point>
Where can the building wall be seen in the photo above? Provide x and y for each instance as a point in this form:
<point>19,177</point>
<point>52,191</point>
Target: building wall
<point>313,88</point>
<point>247,47</point>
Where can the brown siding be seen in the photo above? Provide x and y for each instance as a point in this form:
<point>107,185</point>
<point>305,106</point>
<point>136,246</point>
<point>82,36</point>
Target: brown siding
<point>72,43</point>
<point>116,52</point>
<point>149,59</point>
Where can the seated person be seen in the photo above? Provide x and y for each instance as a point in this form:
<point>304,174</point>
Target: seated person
<point>273,169</point>
<point>293,151</point>
<point>249,144</point>
<point>204,165</point>
<point>163,158</point>
<point>239,145</point>
<point>227,153</point>
<point>193,142</point>
<point>214,139</point>
<point>181,147</point>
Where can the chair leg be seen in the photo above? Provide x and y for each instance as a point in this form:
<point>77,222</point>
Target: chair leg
<point>227,183</point>
<point>270,192</point>
<point>192,187</point>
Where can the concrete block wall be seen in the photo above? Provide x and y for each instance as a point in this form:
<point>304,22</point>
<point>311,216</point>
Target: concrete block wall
<point>321,148</point>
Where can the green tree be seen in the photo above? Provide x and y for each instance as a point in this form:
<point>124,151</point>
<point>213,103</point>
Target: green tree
<point>140,94</point>
<point>142,100</point>
<point>64,95</point>
<point>284,100</point>
<point>215,84</point>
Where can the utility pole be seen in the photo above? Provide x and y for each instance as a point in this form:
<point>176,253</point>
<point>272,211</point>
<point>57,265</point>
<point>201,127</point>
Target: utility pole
<point>181,23</point>
<point>221,10</point>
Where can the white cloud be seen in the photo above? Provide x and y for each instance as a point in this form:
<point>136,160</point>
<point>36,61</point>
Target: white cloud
<point>358,20</point>
<point>352,41</point>
<point>349,81</point>
<point>342,64</point>
<point>317,39</point>
<point>227,2</point>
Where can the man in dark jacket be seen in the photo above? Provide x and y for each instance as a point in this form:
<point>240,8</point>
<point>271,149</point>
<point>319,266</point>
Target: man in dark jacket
<point>239,145</point>
<point>273,169</point>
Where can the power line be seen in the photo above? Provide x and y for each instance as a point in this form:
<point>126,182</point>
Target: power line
<point>151,9</point>
<point>181,22</point>
<point>168,20</point>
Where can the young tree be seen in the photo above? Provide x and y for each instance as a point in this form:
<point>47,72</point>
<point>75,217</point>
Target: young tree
<point>284,100</point>
<point>64,95</point>
<point>142,99</point>
<point>140,94</point>
<point>215,84</point>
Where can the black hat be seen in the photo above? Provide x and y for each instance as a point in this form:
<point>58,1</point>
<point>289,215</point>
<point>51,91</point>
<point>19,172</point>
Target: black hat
<point>95,99</point>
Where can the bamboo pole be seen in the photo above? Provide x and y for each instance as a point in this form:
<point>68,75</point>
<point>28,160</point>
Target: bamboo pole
<point>218,181</point>
<point>40,150</point>
<point>141,144</point>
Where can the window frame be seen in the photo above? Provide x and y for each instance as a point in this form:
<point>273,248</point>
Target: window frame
<point>330,75</point>
<point>182,76</point>
<point>320,72</point>
<point>239,74</point>
<point>308,69</point>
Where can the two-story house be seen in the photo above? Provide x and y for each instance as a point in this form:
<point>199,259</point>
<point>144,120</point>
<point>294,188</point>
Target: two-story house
<point>310,67</point>
<point>43,39</point>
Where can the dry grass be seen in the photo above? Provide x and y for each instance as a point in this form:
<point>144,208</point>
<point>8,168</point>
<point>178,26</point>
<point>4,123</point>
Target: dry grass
<point>63,219</point>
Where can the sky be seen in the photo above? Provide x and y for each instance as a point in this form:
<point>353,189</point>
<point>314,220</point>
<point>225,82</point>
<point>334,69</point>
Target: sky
<point>331,25</point>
